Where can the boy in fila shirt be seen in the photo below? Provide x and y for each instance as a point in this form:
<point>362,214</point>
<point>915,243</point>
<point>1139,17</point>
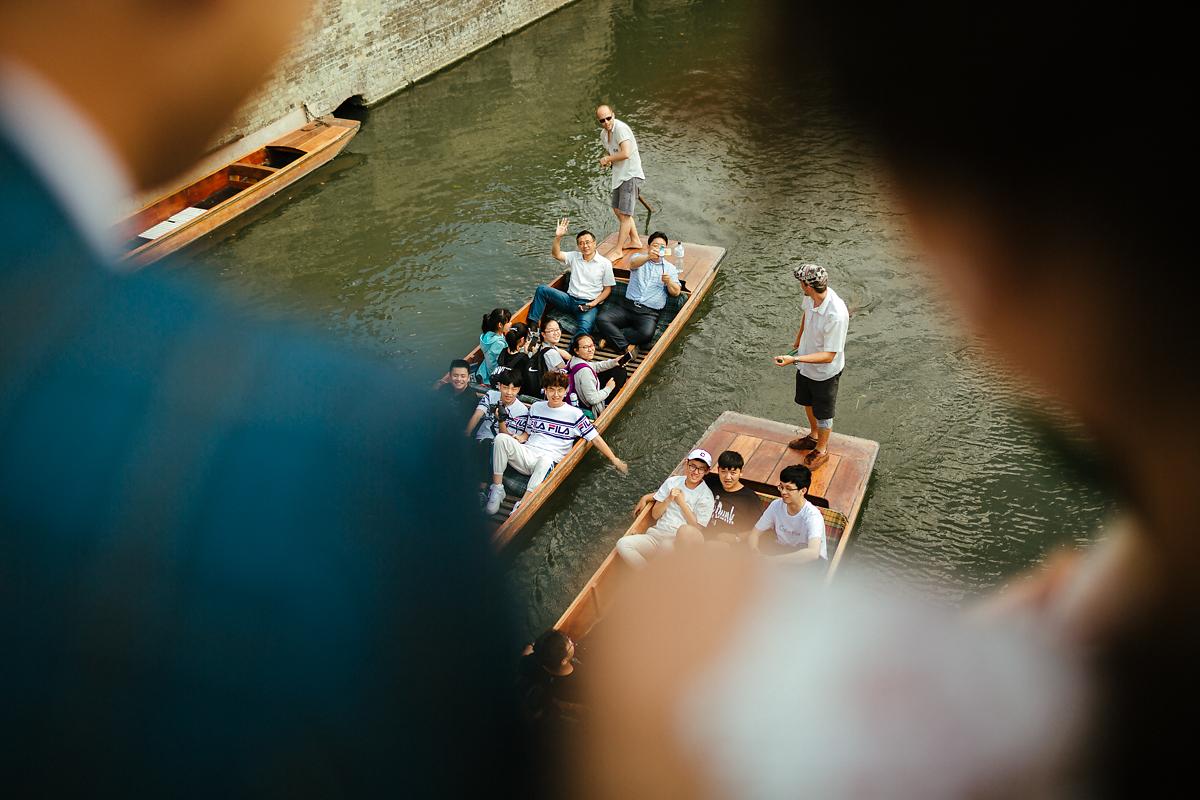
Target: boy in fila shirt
<point>552,427</point>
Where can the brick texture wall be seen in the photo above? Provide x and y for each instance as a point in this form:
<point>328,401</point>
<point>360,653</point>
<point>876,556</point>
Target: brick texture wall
<point>374,48</point>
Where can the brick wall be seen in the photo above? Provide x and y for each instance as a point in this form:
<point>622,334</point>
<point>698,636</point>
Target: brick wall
<point>374,48</point>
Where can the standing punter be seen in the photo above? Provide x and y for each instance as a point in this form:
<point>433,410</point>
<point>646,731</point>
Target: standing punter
<point>819,356</point>
<point>621,153</point>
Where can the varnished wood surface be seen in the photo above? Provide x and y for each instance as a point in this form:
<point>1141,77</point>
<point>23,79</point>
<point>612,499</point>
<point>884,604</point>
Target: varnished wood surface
<point>842,480</point>
<point>321,140</point>
<point>702,263</point>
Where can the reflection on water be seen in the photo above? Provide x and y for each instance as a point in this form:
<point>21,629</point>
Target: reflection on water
<point>444,206</point>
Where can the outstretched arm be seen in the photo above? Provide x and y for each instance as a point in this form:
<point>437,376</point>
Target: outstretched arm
<point>559,232</point>
<point>603,447</point>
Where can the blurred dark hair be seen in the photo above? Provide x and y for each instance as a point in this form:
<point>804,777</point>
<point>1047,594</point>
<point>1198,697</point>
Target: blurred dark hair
<point>573,348</point>
<point>515,335</point>
<point>550,649</point>
<point>583,233</point>
<point>658,235</point>
<point>460,363</point>
<point>555,378</point>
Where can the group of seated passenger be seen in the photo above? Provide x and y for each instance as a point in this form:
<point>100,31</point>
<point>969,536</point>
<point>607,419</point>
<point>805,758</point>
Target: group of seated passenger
<point>528,359</point>
<point>626,322</point>
<point>698,507</point>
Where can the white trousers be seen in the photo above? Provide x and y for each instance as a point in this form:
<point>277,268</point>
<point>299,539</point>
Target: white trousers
<point>637,548</point>
<point>508,452</point>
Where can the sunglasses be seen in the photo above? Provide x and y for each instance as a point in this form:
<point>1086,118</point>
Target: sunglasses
<point>603,120</point>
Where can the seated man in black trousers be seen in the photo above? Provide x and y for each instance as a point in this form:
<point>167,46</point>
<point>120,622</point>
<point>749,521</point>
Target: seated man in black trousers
<point>628,322</point>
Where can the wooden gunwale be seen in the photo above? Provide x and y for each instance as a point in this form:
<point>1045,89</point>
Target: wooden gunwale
<point>702,263</point>
<point>321,140</point>
<point>845,490</point>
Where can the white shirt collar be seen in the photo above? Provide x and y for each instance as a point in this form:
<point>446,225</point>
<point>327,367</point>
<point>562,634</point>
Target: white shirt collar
<point>62,146</point>
<point>821,309</point>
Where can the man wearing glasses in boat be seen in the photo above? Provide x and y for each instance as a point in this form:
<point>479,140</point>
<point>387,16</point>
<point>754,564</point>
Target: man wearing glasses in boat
<point>629,321</point>
<point>736,507</point>
<point>591,282</point>
<point>819,356</point>
<point>621,153</point>
<point>797,524</point>
<point>682,506</point>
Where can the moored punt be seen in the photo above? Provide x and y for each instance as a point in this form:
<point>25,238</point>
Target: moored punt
<point>184,215</point>
<point>841,482</point>
<point>697,273</point>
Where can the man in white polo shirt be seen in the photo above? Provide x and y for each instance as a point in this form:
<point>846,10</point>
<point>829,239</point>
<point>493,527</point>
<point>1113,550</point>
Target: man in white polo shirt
<point>682,506</point>
<point>798,525</point>
<point>591,282</point>
<point>819,356</point>
<point>621,153</point>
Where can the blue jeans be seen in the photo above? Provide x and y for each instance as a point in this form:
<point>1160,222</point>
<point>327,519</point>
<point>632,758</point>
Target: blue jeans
<point>547,296</point>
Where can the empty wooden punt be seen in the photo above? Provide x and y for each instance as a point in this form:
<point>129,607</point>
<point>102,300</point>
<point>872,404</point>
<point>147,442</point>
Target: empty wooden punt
<point>183,216</point>
<point>841,481</point>
<point>698,271</point>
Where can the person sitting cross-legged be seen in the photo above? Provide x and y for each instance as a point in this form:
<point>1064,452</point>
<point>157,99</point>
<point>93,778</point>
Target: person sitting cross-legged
<point>798,525</point>
<point>682,506</point>
<point>552,427</point>
<point>629,322</point>
<point>591,282</point>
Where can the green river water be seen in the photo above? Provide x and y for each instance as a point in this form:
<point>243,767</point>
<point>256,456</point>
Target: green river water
<point>444,206</point>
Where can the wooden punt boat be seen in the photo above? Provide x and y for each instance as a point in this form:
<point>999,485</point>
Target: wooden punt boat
<point>697,273</point>
<point>841,482</point>
<point>183,216</point>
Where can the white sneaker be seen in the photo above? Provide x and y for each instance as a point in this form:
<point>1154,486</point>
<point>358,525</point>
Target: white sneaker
<point>516,505</point>
<point>494,499</point>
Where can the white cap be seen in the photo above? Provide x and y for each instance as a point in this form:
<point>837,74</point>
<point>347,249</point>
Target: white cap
<point>701,455</point>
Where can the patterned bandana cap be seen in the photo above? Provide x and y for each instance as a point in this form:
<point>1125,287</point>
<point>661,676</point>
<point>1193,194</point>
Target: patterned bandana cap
<point>812,274</point>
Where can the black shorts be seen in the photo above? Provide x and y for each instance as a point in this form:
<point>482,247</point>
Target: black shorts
<point>821,395</point>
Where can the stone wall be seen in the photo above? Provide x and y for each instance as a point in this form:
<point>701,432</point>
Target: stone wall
<point>369,49</point>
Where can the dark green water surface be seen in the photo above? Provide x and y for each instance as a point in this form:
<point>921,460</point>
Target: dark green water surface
<point>444,206</point>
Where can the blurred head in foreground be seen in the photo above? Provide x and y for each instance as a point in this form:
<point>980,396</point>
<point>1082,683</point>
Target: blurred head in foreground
<point>1033,152</point>
<point>157,78</point>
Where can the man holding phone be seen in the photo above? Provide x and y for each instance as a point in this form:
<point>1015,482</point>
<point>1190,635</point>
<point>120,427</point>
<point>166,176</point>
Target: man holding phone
<point>591,282</point>
<point>630,321</point>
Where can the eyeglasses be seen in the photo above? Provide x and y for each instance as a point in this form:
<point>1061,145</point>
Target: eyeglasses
<point>603,120</point>
<point>786,489</point>
<point>694,468</point>
<point>585,347</point>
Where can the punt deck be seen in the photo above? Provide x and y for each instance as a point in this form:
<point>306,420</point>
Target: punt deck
<point>697,273</point>
<point>183,216</point>
<point>841,482</point>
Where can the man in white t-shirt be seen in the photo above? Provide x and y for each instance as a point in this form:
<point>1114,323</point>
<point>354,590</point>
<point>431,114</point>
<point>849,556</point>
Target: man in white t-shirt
<point>798,525</point>
<point>621,153</point>
<point>552,426</point>
<point>591,282</point>
<point>819,355</point>
<point>500,410</point>
<point>682,506</point>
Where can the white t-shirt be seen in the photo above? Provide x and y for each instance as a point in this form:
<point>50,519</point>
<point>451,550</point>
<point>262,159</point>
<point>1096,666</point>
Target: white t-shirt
<point>517,415</point>
<point>630,167</point>
<point>825,329</point>
<point>795,531</point>
<point>699,500</point>
<point>554,430</point>
<point>588,278</point>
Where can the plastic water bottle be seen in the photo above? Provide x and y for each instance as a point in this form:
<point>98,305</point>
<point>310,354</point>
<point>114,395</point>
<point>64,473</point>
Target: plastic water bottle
<point>679,255</point>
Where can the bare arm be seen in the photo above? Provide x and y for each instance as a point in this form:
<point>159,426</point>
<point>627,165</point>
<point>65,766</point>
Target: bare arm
<point>681,501</point>
<point>600,298</point>
<point>478,415</point>
<point>805,554</point>
<point>603,447</point>
<point>559,232</point>
<point>642,502</point>
<point>673,288</point>
<point>810,358</point>
<point>636,260</point>
<point>799,333</point>
<point>623,153</point>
